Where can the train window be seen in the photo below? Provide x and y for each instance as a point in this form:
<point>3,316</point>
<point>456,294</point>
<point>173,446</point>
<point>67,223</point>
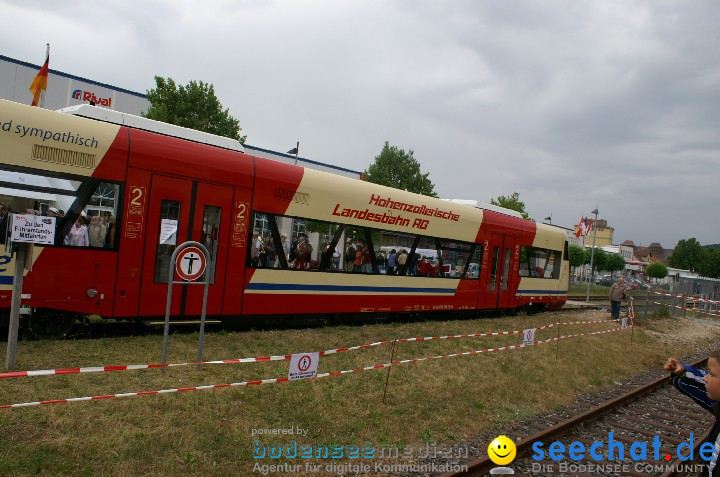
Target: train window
<point>473,269</point>
<point>209,237</point>
<point>453,257</point>
<point>506,270</point>
<point>169,210</point>
<point>493,268</point>
<point>66,198</point>
<point>539,263</point>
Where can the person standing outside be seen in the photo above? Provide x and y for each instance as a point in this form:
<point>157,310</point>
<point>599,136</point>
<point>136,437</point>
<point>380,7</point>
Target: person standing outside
<point>618,291</point>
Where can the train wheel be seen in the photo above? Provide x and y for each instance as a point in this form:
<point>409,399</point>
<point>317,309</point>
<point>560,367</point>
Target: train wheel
<point>51,324</point>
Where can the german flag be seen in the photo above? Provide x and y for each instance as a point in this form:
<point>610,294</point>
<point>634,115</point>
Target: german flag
<point>39,84</point>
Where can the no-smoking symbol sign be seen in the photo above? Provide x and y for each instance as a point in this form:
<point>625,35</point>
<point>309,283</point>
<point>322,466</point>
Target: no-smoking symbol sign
<point>190,263</point>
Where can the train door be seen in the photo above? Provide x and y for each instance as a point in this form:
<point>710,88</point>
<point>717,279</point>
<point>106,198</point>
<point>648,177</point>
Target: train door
<point>182,210</point>
<point>501,262</point>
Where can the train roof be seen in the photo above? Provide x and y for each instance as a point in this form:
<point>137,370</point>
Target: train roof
<point>138,122</point>
<point>485,206</point>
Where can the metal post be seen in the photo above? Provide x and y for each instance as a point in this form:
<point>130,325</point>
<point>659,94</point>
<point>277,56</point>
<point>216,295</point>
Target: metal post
<point>202,322</point>
<point>15,307</point>
<point>592,255</point>
<point>647,303</point>
<point>171,282</point>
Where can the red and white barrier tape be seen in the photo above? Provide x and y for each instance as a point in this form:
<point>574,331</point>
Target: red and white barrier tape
<point>259,359</point>
<point>286,357</point>
<point>281,380</point>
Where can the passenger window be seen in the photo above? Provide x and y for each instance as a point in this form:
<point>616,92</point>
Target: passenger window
<point>453,258</point>
<point>169,211</point>
<point>473,270</point>
<point>65,198</point>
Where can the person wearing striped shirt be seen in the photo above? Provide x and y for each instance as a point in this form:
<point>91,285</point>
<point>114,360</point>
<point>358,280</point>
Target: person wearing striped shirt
<point>703,387</point>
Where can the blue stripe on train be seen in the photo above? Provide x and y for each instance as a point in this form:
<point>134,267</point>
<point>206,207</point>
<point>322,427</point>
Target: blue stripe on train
<point>343,288</point>
<point>6,279</point>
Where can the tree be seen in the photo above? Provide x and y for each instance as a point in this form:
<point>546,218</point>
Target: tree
<point>576,257</point>
<point>614,263</point>
<point>688,255</point>
<point>394,167</point>
<point>512,202</point>
<point>599,259</point>
<point>194,106</point>
<point>656,270</point>
<point>710,266</point>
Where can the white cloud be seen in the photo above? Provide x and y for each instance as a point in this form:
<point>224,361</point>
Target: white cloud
<point>571,103</point>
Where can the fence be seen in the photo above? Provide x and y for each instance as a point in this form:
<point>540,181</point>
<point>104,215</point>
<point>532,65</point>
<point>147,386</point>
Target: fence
<point>681,304</point>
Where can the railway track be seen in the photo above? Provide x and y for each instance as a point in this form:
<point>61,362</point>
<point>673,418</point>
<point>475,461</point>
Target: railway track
<point>654,409</point>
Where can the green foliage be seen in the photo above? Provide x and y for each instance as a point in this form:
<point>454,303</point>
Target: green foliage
<point>656,270</point>
<point>599,259</point>
<point>511,202</point>
<point>688,255</point>
<point>193,106</point>
<point>576,256</point>
<point>614,263</point>
<point>394,167</point>
<point>710,265</point>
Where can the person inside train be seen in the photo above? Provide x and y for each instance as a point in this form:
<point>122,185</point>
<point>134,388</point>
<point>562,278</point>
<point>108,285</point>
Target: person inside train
<point>336,258</point>
<point>96,231</point>
<point>367,261</point>
<point>78,236</point>
<point>703,387</point>
<point>270,252</point>
<point>109,232</point>
<point>349,255</point>
<point>402,257</point>
<point>255,249</point>
<point>285,244</point>
<point>359,256</point>
<point>392,262</point>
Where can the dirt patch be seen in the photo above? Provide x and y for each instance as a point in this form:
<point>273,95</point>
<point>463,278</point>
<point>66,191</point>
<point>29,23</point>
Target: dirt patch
<point>682,331</point>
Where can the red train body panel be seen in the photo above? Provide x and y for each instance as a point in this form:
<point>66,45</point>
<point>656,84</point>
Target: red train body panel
<point>221,197</point>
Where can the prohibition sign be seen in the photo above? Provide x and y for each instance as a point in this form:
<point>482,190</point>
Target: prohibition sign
<point>304,363</point>
<point>190,263</point>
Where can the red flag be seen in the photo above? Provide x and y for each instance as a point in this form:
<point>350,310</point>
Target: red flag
<point>580,227</point>
<point>588,226</point>
<point>39,84</point>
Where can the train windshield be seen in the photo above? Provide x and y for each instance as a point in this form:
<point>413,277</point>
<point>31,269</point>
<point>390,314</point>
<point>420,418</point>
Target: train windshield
<point>84,208</point>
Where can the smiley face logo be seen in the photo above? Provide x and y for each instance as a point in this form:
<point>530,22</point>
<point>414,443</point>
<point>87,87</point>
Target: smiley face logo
<point>502,450</point>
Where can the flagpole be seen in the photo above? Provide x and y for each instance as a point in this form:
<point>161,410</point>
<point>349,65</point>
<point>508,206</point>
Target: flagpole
<point>592,254</point>
<point>42,93</point>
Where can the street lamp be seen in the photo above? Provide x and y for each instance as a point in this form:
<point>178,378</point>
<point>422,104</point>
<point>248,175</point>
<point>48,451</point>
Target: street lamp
<point>549,219</point>
<point>592,254</point>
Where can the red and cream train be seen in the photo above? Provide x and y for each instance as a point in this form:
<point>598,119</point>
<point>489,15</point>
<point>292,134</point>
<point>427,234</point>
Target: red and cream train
<point>154,186</point>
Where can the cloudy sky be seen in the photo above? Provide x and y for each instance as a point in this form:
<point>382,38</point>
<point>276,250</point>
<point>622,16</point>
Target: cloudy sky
<point>574,104</point>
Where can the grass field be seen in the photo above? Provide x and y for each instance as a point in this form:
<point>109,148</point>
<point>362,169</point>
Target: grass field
<point>211,432</point>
